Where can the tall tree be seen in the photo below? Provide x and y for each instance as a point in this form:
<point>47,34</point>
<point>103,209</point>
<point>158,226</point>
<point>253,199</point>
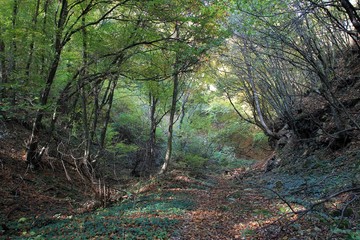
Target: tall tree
<point>196,32</point>
<point>31,149</point>
<point>174,100</point>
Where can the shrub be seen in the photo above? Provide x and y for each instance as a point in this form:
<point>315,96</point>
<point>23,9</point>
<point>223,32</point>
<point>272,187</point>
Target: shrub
<point>194,161</point>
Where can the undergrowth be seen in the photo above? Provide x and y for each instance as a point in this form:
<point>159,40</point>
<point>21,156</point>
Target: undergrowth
<point>152,216</point>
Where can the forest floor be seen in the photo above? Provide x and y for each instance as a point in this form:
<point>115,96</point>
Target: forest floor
<point>240,203</point>
<point>178,206</point>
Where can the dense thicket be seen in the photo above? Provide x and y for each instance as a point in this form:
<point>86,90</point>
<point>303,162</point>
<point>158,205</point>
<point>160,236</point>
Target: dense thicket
<point>287,54</point>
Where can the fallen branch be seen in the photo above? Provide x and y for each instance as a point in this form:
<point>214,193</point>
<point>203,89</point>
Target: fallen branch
<point>324,200</point>
<point>302,213</point>
<point>282,199</point>
<point>330,197</point>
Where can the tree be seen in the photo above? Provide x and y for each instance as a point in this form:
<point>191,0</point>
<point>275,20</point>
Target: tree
<point>62,62</point>
<point>194,34</point>
<point>78,29</point>
<point>31,155</point>
<point>289,50</point>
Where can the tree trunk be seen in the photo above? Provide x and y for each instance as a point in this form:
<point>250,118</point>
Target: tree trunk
<point>107,116</point>
<point>42,69</point>
<point>31,151</point>
<point>12,61</point>
<point>96,93</point>
<point>165,165</point>
<point>86,165</point>
<point>183,112</point>
<point>3,71</point>
<point>255,96</point>
<point>32,44</point>
<point>152,138</point>
<point>175,79</point>
<point>60,103</point>
<point>352,13</point>
<point>86,157</point>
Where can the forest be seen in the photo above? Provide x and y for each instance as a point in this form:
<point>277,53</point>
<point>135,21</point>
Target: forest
<point>179,119</point>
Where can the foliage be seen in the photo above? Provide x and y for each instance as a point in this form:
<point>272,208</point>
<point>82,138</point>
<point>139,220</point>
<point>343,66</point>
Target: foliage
<point>148,217</point>
<point>130,123</point>
<point>226,159</point>
<point>260,141</point>
<point>192,161</point>
<point>349,234</point>
<point>213,131</point>
<point>124,148</point>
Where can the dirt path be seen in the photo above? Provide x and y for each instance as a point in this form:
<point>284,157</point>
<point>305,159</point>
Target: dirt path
<point>219,214</point>
<point>224,210</point>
